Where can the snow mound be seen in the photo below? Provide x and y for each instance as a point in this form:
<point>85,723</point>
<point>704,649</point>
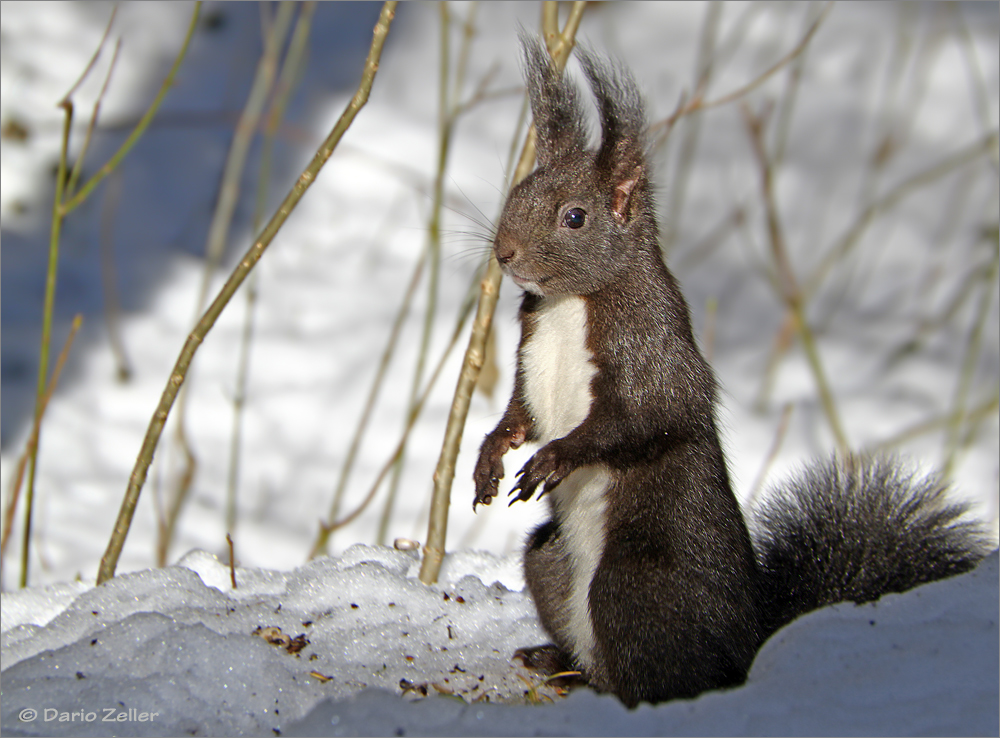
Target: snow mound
<point>356,645</point>
<point>920,663</point>
<point>182,647</point>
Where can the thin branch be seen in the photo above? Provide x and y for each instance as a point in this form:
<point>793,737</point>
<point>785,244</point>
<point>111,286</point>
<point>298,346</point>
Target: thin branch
<point>283,91</point>
<point>110,559</point>
<point>229,190</point>
<point>177,500</point>
<point>446,124</point>
<point>218,233</point>
<point>449,110</point>
<point>232,560</point>
<point>475,353</point>
<point>961,293</point>
<point>109,277</point>
<point>93,60</point>
<point>969,360</point>
<point>15,490</point>
<point>787,106</point>
<point>404,309</point>
<point>704,67</point>
<point>74,177</point>
<point>943,422</point>
<point>772,454</point>
<point>47,312</point>
<point>113,162</point>
<point>889,200</point>
<point>322,541</point>
<point>788,287</point>
<point>411,420</point>
<point>979,89</point>
<point>697,101</point>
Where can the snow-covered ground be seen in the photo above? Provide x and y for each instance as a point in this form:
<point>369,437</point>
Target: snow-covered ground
<point>177,651</point>
<point>906,85</point>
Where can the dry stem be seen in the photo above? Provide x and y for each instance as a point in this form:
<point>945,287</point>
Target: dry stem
<point>15,490</point>
<point>788,287</point>
<point>444,474</point>
<point>110,559</point>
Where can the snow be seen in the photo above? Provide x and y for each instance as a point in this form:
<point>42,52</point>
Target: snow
<point>184,648</point>
<point>180,641</point>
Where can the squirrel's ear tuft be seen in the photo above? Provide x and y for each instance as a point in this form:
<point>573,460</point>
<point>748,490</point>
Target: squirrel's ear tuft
<point>622,156</point>
<point>559,122</point>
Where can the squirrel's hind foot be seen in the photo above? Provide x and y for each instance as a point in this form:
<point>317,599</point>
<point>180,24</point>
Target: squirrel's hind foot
<point>551,662</point>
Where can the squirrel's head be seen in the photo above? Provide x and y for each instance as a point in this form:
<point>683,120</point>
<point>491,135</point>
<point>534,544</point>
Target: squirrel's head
<point>578,219</point>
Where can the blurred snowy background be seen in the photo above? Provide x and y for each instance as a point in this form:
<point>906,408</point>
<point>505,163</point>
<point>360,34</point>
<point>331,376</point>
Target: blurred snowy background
<point>882,133</point>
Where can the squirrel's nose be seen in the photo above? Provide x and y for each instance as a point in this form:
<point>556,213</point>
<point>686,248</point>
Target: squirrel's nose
<point>504,252</point>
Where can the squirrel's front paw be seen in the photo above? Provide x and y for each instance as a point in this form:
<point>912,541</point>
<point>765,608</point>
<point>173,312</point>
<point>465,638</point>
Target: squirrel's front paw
<point>489,467</point>
<point>545,466</point>
<point>487,475</point>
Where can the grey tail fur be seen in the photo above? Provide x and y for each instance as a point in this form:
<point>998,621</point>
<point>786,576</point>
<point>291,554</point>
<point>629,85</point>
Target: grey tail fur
<point>854,529</point>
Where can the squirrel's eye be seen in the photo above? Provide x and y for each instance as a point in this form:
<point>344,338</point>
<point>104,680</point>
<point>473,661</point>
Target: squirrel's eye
<point>575,218</point>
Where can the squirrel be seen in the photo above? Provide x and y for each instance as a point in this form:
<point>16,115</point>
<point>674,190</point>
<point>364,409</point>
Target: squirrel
<point>647,577</point>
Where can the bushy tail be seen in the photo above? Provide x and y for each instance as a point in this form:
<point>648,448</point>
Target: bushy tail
<point>857,528</point>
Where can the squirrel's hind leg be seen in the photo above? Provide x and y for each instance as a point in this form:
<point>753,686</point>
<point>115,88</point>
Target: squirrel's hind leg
<point>547,573</point>
<point>546,570</point>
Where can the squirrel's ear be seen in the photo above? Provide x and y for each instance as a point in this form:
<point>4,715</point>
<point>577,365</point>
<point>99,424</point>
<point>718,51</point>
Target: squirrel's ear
<point>622,156</point>
<point>622,195</point>
<point>559,122</point>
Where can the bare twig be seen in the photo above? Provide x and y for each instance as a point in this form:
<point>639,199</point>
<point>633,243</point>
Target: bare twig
<point>140,128</point>
<point>232,560</point>
<point>788,287</point>
<point>961,293</point>
<point>383,365</point>
<point>787,105</point>
<point>327,528</point>
<point>110,559</point>
<point>979,89</point>
<point>93,60</point>
<point>446,123</point>
<point>15,490</point>
<point>943,422</point>
<point>218,235</point>
<point>74,176</point>
<point>708,334</point>
<point>704,66</point>
<point>850,238</point>
<point>322,540</point>
<point>229,190</point>
<point>178,498</point>
<point>43,354</point>
<point>109,277</point>
<point>60,209</point>
<point>772,454</point>
<point>690,104</point>
<point>283,90</point>
<point>476,350</point>
<point>782,342</point>
<point>969,361</point>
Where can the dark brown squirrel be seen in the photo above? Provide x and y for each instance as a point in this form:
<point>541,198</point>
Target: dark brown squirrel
<point>646,577</point>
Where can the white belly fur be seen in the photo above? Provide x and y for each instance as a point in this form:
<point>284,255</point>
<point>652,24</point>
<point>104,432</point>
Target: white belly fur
<point>557,368</point>
<point>557,374</point>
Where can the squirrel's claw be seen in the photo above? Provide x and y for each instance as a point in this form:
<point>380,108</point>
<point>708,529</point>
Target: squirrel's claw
<point>486,490</point>
<point>524,489</point>
<point>541,468</point>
